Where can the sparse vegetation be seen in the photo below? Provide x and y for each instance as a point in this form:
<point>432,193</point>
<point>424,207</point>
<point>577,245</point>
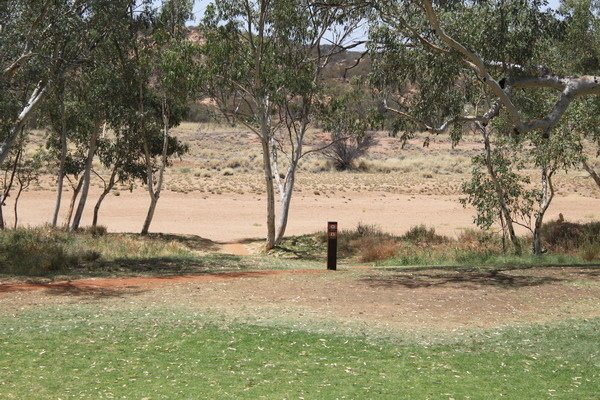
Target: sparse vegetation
<point>421,245</point>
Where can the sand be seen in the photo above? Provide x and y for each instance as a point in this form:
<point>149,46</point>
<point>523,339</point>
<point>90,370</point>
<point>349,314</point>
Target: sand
<point>230,218</point>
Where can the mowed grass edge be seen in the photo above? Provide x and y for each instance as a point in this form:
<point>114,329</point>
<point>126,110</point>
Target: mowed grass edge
<point>79,352</point>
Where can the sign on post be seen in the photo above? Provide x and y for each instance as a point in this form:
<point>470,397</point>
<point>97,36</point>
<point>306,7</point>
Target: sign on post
<point>332,232</point>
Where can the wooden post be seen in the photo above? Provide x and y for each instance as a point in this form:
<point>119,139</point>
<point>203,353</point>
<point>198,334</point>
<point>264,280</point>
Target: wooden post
<point>332,231</point>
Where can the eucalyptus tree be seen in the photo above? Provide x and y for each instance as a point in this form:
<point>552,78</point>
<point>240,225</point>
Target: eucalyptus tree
<point>28,172</point>
<point>351,119</point>
<point>170,76</point>
<point>76,114</point>
<point>40,41</point>
<point>263,65</point>
<point>21,169</point>
<point>122,156</point>
<point>499,66</point>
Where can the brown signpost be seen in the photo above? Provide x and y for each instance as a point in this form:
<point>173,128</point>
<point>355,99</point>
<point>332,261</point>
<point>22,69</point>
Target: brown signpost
<point>332,232</point>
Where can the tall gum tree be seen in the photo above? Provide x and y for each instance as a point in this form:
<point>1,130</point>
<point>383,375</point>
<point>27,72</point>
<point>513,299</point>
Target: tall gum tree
<point>41,41</point>
<point>172,78</point>
<point>442,66</point>
<point>263,65</point>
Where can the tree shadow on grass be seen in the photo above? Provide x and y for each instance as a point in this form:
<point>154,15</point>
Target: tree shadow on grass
<point>76,289</point>
<point>169,266</point>
<point>142,266</point>
<point>469,279</point>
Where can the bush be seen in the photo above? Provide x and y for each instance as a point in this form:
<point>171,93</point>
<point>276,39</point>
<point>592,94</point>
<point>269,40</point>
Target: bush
<point>374,250</point>
<point>356,241</point>
<point>201,113</point>
<point>561,235</point>
<point>95,231</point>
<point>591,251</point>
<point>33,252</point>
<point>366,230</point>
<point>480,240</point>
<point>424,235</point>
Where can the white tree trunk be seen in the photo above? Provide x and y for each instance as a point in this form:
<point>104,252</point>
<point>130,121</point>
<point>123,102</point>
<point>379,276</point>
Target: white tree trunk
<point>155,192</point>
<point>266,136</point>
<point>270,187</point>
<point>592,173</point>
<point>286,200</point>
<point>34,99</point>
<point>87,175</point>
<point>63,159</point>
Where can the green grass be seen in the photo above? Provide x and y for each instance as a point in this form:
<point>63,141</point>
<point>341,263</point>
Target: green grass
<point>97,354</point>
<point>472,258</point>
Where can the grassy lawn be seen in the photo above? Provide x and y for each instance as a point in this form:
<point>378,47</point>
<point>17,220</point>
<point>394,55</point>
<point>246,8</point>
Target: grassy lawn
<point>79,352</point>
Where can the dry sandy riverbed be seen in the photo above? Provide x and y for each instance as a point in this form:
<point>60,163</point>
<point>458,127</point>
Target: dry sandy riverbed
<point>231,217</point>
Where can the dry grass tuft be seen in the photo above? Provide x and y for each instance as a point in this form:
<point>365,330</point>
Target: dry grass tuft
<point>370,249</point>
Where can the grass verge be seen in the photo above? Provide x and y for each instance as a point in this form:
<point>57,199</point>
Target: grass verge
<point>52,253</point>
<point>422,246</point>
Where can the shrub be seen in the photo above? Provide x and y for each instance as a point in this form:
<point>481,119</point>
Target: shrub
<point>591,251</point>
<point>33,252</point>
<point>562,235</point>
<point>374,250</point>
<point>228,172</point>
<point>366,230</point>
<point>95,231</point>
<point>422,234</point>
<point>356,241</point>
<point>478,239</point>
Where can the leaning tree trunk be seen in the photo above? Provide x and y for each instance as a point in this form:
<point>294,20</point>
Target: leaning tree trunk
<point>592,173</point>
<point>87,175</point>
<point>16,205</point>
<point>546,199</point>
<point>76,190</point>
<point>19,124</point>
<point>155,193</point>
<point>499,191</point>
<point>150,214</point>
<point>63,160</point>
<point>105,192</point>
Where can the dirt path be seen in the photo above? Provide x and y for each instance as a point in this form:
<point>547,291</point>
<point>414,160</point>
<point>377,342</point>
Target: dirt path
<point>352,299</point>
<point>93,284</point>
<point>237,249</point>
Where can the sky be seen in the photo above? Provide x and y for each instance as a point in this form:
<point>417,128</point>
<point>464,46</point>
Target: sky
<point>200,6</point>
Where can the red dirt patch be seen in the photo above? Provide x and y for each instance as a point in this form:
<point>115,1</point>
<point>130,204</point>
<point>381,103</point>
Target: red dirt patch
<point>141,282</point>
